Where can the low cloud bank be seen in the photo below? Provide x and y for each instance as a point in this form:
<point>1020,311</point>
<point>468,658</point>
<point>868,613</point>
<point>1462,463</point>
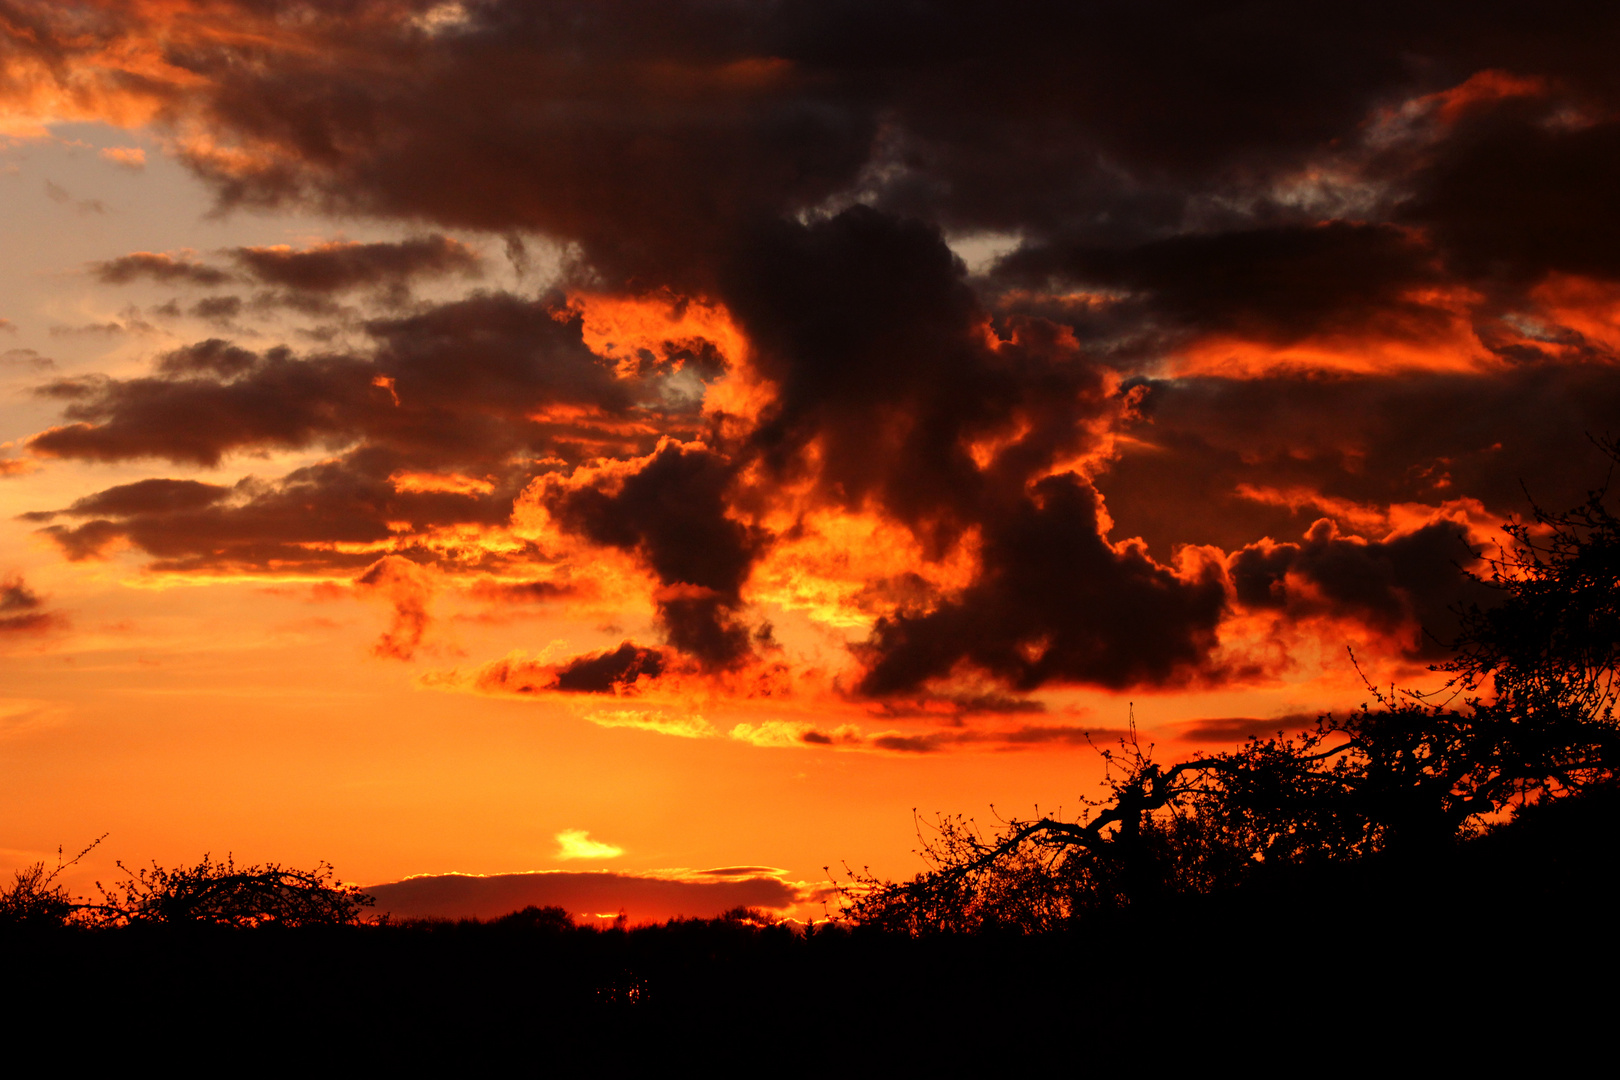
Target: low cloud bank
<point>643,899</point>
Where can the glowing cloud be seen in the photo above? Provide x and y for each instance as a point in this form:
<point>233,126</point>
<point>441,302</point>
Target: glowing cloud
<point>577,844</point>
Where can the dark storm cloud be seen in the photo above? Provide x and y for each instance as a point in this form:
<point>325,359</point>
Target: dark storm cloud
<point>521,592</point>
<point>1276,284</point>
<point>608,671</point>
<point>460,389</point>
<point>22,611</point>
<point>329,516</point>
<point>959,705</point>
<point>880,352</point>
<point>1055,602</point>
<point>1099,121</point>
<point>866,325</point>
<point>492,360</point>
<point>553,117</point>
<point>217,308</point>
<point>1240,170</point>
<point>214,356</point>
<point>1230,729</point>
<point>672,513</point>
<point>744,110</point>
<point>1414,578</point>
<point>651,135</point>
<point>1020,738</point>
<point>106,329</point>
<point>159,267</point>
<point>284,403</point>
<point>335,267</point>
<point>885,365</point>
<point>145,497</point>
<point>1368,440</point>
<point>1518,191</point>
<point>456,384</point>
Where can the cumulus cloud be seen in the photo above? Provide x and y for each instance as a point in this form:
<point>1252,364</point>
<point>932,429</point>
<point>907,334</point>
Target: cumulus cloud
<point>471,379</point>
<point>673,514</point>
<point>340,265</point>
<point>331,517</point>
<point>1056,601</point>
<point>162,267</point>
<point>1409,579</point>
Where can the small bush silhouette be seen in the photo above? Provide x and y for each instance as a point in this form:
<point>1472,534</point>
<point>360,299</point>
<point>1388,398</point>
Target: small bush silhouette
<point>215,893</point>
<point>223,894</point>
<point>33,899</point>
<point>36,899</point>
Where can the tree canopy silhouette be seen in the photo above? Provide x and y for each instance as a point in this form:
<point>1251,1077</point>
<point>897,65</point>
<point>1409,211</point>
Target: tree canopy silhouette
<point>212,893</point>
<point>1527,718</point>
<point>223,894</point>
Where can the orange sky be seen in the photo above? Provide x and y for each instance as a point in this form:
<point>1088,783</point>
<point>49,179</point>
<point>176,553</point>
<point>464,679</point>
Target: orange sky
<point>449,444</point>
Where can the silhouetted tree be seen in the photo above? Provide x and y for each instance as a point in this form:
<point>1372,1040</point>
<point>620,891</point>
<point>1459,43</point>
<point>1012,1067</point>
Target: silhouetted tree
<point>217,893</point>
<point>220,893</point>
<point>1547,653</point>
<point>36,899</point>
<point>1536,675</point>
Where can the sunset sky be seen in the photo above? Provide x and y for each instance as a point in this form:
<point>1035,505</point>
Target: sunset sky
<point>645,438</point>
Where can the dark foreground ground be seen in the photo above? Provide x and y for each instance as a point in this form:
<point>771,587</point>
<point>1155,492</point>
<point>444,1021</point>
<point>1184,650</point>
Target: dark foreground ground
<point>1505,951</point>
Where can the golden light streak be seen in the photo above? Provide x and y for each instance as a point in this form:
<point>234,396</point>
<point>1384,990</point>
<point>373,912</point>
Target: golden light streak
<point>1483,87</point>
<point>1590,308</point>
<point>1235,357</point>
<point>984,451</point>
<point>1357,515</point>
<point>448,483</point>
<point>781,734</point>
<point>689,726</point>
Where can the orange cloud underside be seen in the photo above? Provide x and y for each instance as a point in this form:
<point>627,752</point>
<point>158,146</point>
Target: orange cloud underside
<point>1590,308</point>
<point>117,69</point>
<point>619,328</point>
<point>844,570</point>
<point>1451,346</point>
<point>450,483</point>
